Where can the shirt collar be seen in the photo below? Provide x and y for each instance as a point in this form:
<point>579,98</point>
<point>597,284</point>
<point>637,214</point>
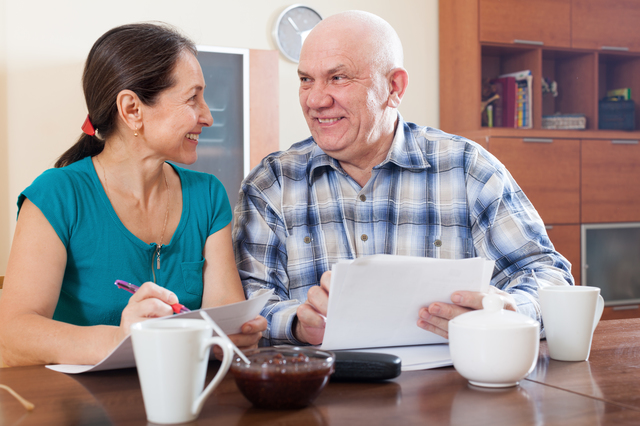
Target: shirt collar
<point>405,152</point>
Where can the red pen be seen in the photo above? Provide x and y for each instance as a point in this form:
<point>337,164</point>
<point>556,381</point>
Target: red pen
<point>132,288</point>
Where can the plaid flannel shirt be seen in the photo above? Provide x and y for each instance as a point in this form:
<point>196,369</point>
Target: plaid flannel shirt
<point>435,195</point>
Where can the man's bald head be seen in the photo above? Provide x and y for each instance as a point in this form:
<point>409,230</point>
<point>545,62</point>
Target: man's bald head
<point>371,35</point>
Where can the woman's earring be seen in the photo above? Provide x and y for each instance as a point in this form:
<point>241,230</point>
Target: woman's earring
<point>135,133</point>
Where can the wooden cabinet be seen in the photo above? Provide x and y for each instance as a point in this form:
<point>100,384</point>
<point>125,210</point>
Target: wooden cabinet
<point>480,40</point>
<point>548,171</point>
<point>584,176</point>
<point>606,24</point>
<point>610,181</point>
<point>536,22</point>
<point>566,240</point>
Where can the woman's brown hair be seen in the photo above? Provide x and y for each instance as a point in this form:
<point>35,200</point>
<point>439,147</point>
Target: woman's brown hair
<point>137,57</point>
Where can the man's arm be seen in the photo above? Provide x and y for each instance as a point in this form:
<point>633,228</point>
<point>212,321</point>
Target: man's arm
<point>506,228</point>
<point>260,251</point>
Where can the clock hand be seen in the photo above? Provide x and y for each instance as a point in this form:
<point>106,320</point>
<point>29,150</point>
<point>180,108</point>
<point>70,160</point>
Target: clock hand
<point>303,35</point>
<point>293,24</point>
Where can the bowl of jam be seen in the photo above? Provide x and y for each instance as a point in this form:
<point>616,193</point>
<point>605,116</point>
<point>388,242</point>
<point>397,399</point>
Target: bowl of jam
<point>283,378</point>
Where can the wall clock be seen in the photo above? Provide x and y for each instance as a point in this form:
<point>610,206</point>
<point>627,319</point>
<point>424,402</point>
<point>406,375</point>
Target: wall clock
<point>292,27</point>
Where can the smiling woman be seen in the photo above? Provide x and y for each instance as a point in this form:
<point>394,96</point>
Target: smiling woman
<point>114,208</point>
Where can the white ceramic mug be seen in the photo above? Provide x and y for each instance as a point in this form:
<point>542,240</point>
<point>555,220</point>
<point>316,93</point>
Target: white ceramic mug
<point>570,315</point>
<point>172,358</point>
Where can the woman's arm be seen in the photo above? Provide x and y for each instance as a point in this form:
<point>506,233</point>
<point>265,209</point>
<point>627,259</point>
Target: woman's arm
<point>28,334</point>
<point>222,286</point>
<point>221,279</point>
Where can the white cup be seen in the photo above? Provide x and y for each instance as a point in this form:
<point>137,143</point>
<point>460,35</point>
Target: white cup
<point>570,315</point>
<point>172,358</point>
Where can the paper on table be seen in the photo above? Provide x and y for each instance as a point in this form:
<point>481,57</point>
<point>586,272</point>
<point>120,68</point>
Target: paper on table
<point>422,357</point>
<point>229,317</point>
<point>374,300</point>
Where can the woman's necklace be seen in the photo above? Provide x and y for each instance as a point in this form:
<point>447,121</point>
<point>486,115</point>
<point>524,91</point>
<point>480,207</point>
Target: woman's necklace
<point>166,216</point>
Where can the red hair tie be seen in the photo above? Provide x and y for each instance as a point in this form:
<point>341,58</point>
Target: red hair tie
<point>87,127</point>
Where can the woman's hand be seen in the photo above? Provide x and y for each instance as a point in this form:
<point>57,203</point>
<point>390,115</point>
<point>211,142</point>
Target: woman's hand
<point>248,338</point>
<point>150,301</point>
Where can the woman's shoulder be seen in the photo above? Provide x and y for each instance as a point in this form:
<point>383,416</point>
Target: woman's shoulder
<point>206,195</point>
<point>197,180</point>
<point>63,177</point>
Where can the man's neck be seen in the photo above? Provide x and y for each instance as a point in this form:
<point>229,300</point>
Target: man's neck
<point>361,169</point>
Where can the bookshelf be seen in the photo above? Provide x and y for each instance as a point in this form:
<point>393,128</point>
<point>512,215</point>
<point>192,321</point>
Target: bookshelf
<point>475,46</point>
<point>573,177</point>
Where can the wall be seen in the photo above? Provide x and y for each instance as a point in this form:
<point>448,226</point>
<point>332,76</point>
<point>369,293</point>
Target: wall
<point>43,45</point>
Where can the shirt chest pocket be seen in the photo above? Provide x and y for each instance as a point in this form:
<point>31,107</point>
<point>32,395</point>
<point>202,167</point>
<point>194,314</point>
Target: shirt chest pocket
<point>440,247</point>
<point>192,277</point>
<point>301,259</point>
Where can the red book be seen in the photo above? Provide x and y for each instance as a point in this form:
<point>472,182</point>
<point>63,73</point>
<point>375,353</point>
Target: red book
<point>508,100</point>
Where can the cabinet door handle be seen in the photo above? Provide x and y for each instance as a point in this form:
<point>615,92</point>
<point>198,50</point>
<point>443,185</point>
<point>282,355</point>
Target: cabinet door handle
<point>537,140</point>
<point>534,42</point>
<point>617,48</point>
<point>625,308</point>
<point>625,141</point>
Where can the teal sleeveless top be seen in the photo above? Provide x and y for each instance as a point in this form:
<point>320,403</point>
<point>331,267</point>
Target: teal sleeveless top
<point>100,249</point>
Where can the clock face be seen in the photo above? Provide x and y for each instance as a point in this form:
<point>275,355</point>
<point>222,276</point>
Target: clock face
<point>292,27</point>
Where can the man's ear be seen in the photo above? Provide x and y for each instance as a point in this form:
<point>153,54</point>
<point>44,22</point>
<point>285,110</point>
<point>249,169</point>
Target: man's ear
<point>398,82</point>
<point>129,109</point>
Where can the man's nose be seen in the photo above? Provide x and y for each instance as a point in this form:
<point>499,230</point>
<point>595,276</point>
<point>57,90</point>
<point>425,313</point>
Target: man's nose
<point>319,97</point>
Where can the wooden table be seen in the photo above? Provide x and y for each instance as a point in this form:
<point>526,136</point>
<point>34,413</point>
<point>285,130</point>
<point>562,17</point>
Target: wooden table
<point>604,390</point>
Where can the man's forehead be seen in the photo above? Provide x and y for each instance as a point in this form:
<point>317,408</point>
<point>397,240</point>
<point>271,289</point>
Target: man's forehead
<point>326,67</point>
<point>328,62</point>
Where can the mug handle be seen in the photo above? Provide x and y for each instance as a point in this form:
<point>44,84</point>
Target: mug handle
<point>226,363</point>
<point>598,315</point>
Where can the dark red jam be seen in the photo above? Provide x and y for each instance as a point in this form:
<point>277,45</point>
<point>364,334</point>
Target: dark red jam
<point>277,381</point>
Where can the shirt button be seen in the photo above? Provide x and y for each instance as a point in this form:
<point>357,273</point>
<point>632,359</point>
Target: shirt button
<point>364,237</point>
<point>363,198</point>
<point>307,240</point>
<point>437,243</point>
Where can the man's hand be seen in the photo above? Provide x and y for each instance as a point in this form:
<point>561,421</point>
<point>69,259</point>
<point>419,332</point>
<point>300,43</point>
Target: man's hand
<point>312,314</point>
<point>436,317</point>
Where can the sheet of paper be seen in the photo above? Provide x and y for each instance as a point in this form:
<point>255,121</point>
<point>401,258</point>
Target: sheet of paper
<point>374,300</point>
<point>229,317</point>
<point>422,357</point>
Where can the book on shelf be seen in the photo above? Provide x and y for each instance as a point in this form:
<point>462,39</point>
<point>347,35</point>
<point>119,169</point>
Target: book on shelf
<point>523,98</point>
<point>621,94</point>
<point>489,115</point>
<point>504,113</point>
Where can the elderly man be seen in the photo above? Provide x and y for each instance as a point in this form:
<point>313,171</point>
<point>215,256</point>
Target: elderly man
<point>367,182</point>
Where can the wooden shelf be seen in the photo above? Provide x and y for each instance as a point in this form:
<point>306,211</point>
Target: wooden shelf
<point>483,133</point>
<point>584,176</point>
<point>469,56</point>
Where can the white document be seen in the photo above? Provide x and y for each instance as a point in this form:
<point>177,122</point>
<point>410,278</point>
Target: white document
<point>423,357</point>
<point>229,317</point>
<point>374,300</point>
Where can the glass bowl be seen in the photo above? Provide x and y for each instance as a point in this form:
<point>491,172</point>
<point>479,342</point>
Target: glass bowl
<point>283,378</point>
